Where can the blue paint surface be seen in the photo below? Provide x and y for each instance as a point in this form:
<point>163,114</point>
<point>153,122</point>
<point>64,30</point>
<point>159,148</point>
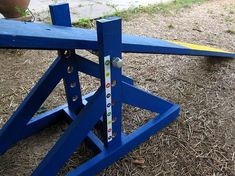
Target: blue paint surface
<point>44,36</point>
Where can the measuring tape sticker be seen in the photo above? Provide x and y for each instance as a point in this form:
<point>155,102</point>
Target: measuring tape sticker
<point>107,70</point>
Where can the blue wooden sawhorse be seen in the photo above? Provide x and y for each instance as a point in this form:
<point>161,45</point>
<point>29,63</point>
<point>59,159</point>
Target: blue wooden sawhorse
<point>101,109</point>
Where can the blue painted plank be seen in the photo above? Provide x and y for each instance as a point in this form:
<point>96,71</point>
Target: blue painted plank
<point>62,34</point>
<point>44,36</point>
<point>137,44</point>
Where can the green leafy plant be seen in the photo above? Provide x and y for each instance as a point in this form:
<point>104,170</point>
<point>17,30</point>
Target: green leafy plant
<point>22,12</point>
<point>128,14</point>
<point>163,8</point>
<point>85,23</point>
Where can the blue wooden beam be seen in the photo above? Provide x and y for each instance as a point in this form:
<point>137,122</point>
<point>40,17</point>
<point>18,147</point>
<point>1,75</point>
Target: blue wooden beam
<point>44,36</point>
<point>139,98</point>
<point>60,16</point>
<point>110,47</point>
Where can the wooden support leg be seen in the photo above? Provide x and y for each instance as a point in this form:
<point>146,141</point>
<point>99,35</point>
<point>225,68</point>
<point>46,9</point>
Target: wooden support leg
<point>14,129</point>
<point>73,136</point>
<point>109,47</point>
<point>60,16</point>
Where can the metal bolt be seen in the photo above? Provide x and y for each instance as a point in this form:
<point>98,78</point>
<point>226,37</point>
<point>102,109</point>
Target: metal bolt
<point>70,69</point>
<point>114,135</point>
<point>75,98</point>
<point>73,84</point>
<point>114,82</point>
<point>114,119</point>
<point>67,54</point>
<point>117,62</point>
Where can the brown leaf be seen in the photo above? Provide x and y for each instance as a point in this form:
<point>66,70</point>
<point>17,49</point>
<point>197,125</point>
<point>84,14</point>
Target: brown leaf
<point>139,161</point>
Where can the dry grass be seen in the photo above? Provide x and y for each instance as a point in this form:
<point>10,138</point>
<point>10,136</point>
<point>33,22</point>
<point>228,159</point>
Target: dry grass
<point>200,142</point>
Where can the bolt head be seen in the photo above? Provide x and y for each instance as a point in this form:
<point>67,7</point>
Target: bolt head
<point>117,62</point>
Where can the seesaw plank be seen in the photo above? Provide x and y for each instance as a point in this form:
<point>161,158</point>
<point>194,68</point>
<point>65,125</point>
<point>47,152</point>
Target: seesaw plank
<point>16,34</point>
<point>22,35</point>
<point>150,45</point>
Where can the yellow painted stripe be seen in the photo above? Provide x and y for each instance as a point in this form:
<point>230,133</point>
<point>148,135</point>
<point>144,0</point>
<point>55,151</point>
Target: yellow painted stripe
<point>199,47</point>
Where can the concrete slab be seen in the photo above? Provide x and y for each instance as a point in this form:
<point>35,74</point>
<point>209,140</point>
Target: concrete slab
<point>87,8</point>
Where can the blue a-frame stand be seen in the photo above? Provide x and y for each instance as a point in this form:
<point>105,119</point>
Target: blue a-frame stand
<point>90,111</point>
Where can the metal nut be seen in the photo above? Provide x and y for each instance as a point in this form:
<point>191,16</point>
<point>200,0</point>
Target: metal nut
<point>117,62</point>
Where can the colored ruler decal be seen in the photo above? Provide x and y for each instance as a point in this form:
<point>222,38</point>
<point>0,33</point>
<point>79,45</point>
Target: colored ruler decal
<point>107,70</point>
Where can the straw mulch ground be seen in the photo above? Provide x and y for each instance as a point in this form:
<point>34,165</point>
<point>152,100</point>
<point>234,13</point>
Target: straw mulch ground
<point>200,142</point>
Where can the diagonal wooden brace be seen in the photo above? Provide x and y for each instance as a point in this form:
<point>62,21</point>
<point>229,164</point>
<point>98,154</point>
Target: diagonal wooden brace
<point>73,136</point>
<point>15,129</point>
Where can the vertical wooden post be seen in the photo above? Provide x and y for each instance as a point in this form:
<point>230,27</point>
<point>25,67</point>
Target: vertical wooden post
<point>60,16</point>
<point>109,47</point>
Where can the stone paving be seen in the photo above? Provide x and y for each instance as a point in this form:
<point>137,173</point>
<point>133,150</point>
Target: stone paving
<point>87,8</point>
